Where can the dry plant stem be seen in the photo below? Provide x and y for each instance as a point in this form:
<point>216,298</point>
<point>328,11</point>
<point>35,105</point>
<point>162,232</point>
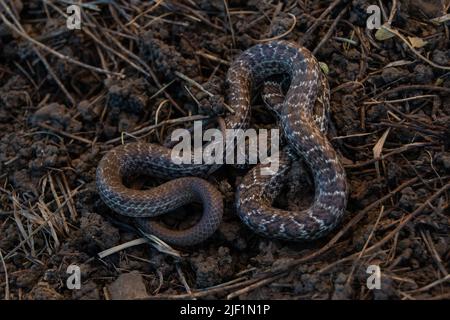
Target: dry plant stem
<point>330,31</point>
<point>54,52</point>
<point>401,100</point>
<point>44,61</point>
<point>393,232</point>
<point>5,270</point>
<point>199,86</point>
<point>444,90</point>
<point>55,77</point>
<point>153,7</point>
<point>431,285</point>
<point>365,245</point>
<point>387,155</point>
<point>183,279</point>
<point>294,23</point>
<point>121,247</point>
<point>392,13</point>
<point>417,53</point>
<point>205,292</point>
<point>225,4</point>
<point>115,52</point>
<point>253,286</point>
<point>43,225</point>
<point>65,134</point>
<point>431,248</point>
<point>147,72</point>
<point>162,123</point>
<point>316,23</point>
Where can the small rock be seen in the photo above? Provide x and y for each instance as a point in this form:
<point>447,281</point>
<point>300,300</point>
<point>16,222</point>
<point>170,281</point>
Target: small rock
<point>207,271</point>
<point>128,286</point>
<point>87,110</point>
<point>43,291</point>
<point>88,291</point>
<point>56,113</point>
<point>440,57</point>
<point>391,74</point>
<point>423,73</point>
<point>443,159</point>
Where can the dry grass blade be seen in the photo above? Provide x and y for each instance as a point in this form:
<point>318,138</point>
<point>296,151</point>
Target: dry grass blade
<point>378,149</point>
<point>5,271</point>
<point>123,246</point>
<point>417,53</point>
<point>50,50</point>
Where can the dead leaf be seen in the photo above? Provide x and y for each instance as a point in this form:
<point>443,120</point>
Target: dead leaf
<point>417,42</point>
<point>378,148</point>
<point>324,67</point>
<point>398,63</point>
<point>383,34</point>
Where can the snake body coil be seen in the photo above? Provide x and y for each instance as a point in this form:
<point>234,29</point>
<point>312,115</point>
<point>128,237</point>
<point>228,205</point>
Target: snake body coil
<point>302,114</point>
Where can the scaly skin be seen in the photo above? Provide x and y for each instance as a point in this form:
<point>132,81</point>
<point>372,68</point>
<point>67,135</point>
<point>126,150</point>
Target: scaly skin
<point>302,114</point>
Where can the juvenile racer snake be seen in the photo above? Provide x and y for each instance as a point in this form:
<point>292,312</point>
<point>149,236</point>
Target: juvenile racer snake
<point>302,114</point>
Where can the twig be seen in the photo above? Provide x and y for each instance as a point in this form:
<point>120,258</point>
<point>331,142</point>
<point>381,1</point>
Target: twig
<point>387,155</point>
<point>204,292</point>
<point>55,77</point>
<point>417,53</point>
<point>393,232</point>
<point>314,26</point>
<point>392,13</point>
<point>431,285</point>
<point>253,286</point>
<point>199,86</point>
<point>63,133</point>
<point>43,225</point>
<point>225,4</point>
<point>54,52</point>
<point>121,247</point>
<point>365,244</point>
<point>401,100</point>
<point>330,31</point>
<point>6,276</point>
<point>183,279</point>
<point>294,23</point>
<point>162,123</point>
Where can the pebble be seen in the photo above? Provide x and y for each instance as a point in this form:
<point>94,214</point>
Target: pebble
<point>128,286</point>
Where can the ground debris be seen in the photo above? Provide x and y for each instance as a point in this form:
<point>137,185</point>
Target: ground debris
<point>68,97</point>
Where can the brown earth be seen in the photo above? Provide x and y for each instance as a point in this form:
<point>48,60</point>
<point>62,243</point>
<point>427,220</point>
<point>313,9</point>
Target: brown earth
<point>63,103</point>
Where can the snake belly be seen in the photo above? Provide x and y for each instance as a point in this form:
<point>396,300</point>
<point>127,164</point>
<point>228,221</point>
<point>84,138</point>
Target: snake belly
<point>302,116</point>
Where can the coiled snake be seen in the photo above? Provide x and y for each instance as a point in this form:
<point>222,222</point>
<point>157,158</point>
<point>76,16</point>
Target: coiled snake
<point>302,114</point>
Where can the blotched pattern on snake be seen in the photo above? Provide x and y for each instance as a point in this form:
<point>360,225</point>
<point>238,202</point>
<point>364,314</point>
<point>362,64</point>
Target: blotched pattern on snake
<point>302,113</point>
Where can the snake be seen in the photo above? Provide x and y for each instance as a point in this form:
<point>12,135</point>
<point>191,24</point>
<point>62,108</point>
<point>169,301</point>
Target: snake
<point>302,114</point>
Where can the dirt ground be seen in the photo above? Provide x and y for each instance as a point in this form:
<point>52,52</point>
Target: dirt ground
<point>68,96</point>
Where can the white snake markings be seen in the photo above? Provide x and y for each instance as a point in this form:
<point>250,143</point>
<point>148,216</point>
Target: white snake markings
<point>302,115</point>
